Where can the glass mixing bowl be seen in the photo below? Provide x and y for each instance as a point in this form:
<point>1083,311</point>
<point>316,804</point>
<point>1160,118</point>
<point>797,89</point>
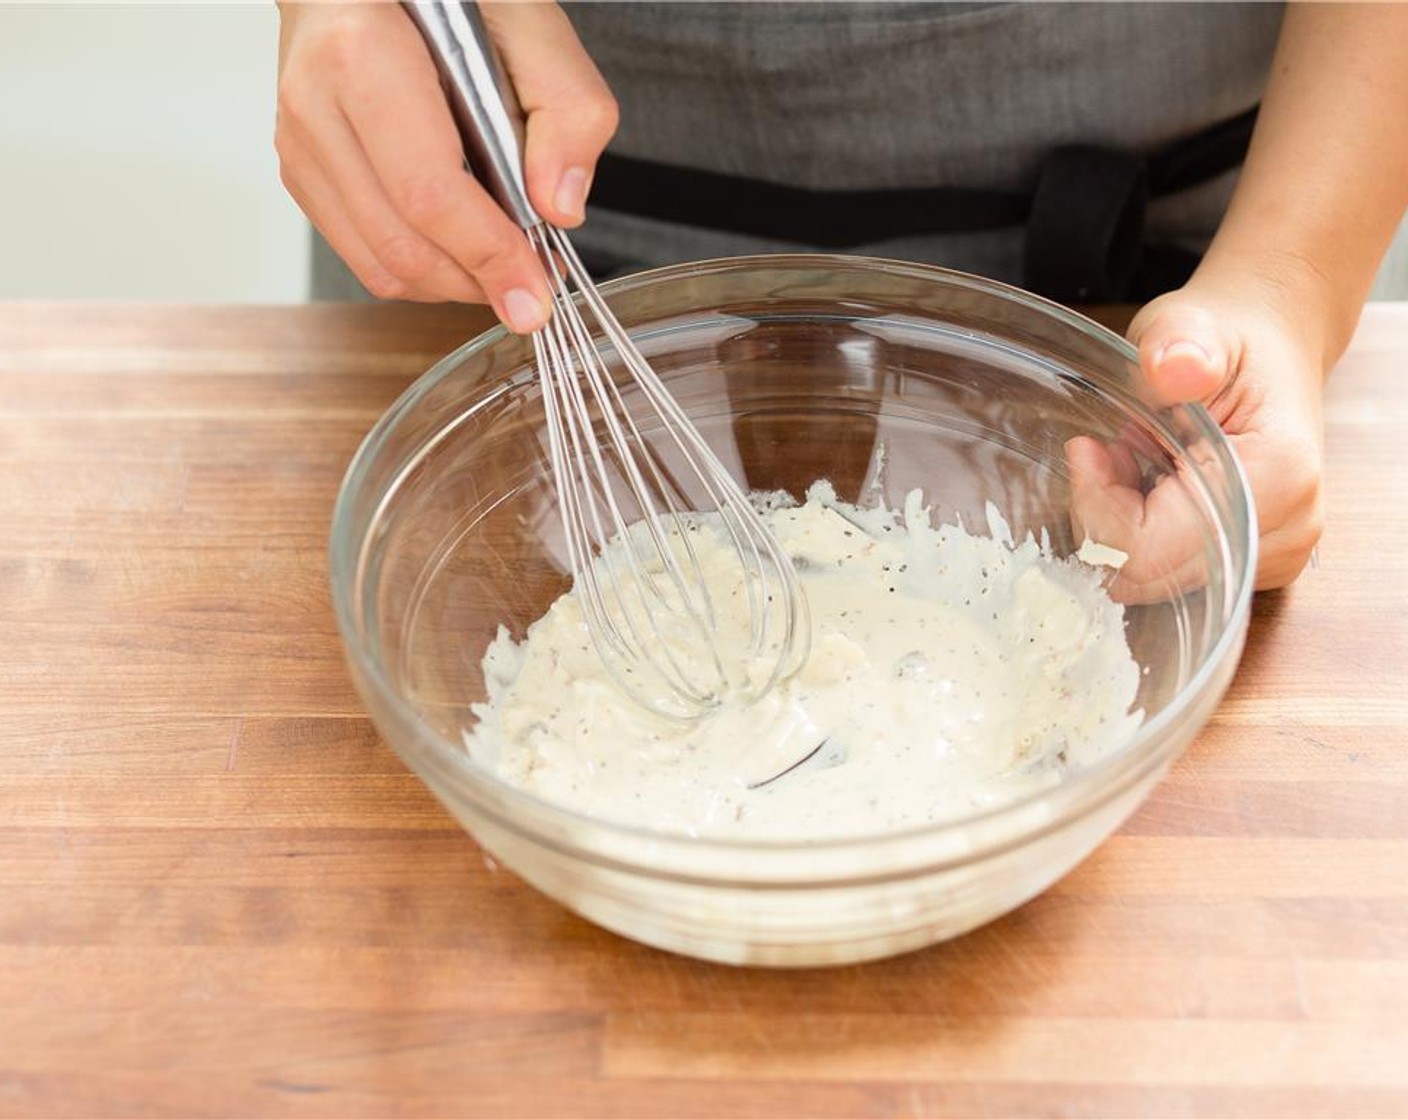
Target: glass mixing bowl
<point>797,368</point>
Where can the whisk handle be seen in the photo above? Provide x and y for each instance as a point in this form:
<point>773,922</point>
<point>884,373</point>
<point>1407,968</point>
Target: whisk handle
<point>481,97</point>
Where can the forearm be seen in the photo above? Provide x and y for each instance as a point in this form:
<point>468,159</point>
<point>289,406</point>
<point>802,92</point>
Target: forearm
<point>1326,180</point>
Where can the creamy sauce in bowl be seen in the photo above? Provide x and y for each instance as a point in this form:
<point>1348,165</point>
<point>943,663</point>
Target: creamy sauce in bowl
<point>949,672</point>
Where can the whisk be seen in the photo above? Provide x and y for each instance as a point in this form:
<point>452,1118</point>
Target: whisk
<point>636,483</point>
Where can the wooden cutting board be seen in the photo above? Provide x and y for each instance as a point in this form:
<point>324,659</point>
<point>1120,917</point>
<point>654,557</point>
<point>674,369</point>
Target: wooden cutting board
<point>221,894</point>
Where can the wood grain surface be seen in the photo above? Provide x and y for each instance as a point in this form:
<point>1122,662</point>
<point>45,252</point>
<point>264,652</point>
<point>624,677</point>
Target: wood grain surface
<point>221,894</point>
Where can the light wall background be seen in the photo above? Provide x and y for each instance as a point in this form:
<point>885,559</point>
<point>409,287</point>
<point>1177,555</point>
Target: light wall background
<point>136,155</point>
<point>137,161</point>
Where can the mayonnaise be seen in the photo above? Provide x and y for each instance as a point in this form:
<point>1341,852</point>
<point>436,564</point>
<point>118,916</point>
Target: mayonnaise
<point>948,672</point>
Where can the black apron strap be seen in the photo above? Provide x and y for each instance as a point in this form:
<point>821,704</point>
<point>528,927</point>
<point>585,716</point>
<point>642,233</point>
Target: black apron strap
<point>1085,232</point>
<point>1204,155</point>
<point>1085,220</point>
<point>825,219</point>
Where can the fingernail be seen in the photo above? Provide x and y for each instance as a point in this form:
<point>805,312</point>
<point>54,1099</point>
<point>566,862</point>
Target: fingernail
<point>523,311</point>
<point>571,197</point>
<point>1183,348</point>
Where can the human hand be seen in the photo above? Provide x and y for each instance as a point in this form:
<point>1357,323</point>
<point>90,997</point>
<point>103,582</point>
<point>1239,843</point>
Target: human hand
<point>1252,353</point>
<point>368,149</point>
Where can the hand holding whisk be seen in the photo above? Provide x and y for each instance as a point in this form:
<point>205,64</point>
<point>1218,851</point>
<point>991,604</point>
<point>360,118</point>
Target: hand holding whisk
<point>635,480</point>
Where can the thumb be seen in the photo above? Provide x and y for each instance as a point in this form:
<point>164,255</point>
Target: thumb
<point>571,113</point>
<point>1185,354</point>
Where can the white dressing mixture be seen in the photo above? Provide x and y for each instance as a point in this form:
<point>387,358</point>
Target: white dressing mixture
<point>948,673</point>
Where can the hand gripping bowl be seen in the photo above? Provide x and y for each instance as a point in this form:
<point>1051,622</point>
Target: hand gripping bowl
<point>794,368</point>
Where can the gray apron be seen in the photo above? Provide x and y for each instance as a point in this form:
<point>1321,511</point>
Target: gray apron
<point>892,96</point>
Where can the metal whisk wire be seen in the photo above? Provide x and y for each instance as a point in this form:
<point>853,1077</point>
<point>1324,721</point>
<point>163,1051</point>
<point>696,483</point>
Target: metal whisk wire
<point>632,509</point>
<point>643,590</point>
